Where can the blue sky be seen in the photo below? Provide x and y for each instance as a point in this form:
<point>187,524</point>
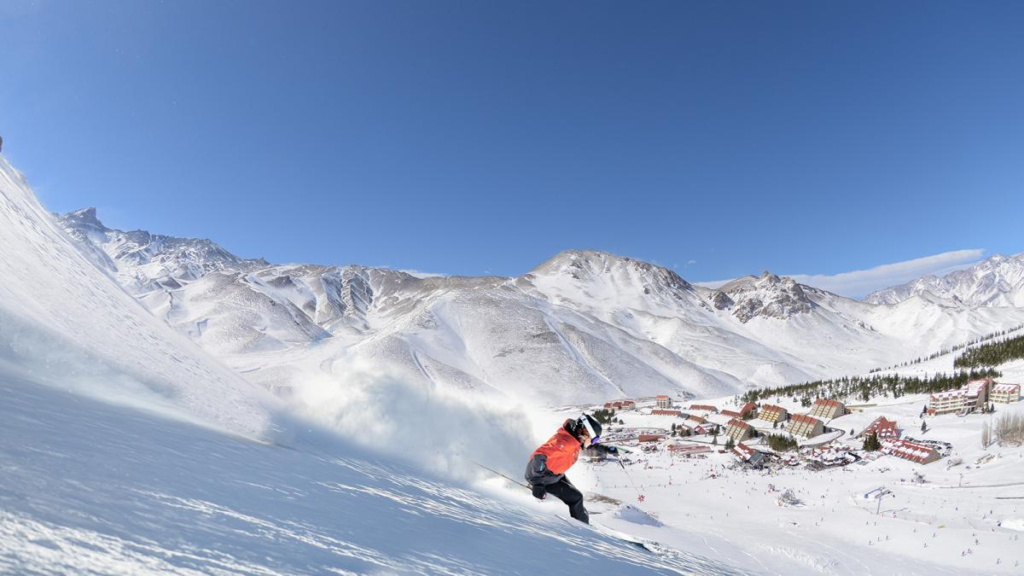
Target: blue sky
<point>719,139</point>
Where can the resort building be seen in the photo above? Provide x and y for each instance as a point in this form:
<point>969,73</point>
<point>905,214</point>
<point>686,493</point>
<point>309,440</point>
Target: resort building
<point>772,414</point>
<point>912,451</point>
<point>885,428</point>
<point>827,409</point>
<point>664,402</point>
<point>1005,393</point>
<point>972,396</point>
<point>805,426</point>
<point>738,430</point>
<point>748,455</point>
<point>688,449</point>
<point>659,412</point>
<point>704,408</point>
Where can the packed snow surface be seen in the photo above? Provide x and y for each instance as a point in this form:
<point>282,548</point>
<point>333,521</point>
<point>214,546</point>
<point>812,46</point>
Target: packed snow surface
<point>92,487</point>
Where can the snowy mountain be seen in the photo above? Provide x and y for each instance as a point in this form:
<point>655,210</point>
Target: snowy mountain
<point>144,261</point>
<point>64,321</point>
<point>768,297</point>
<point>584,326</point>
<point>994,282</point>
<point>126,449</point>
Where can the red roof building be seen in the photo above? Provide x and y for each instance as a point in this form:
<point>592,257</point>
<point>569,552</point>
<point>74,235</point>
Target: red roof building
<point>828,409</point>
<point>704,407</point>
<point>738,430</point>
<point>968,398</point>
<point>731,414</point>
<point>772,413</point>
<point>747,408</point>
<point>697,419</point>
<point>805,426</point>
<point>920,453</point>
<point>663,401</point>
<point>747,454</point>
<point>885,428</point>
<point>1005,393</point>
<point>660,412</point>
<point>651,437</point>
<point>688,449</point>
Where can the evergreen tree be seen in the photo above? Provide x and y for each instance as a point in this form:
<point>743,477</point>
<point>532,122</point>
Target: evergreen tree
<point>871,443</point>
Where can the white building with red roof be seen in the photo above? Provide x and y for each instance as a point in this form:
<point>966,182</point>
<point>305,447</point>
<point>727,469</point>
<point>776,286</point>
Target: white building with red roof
<point>919,453</point>
<point>748,455</point>
<point>1005,393</point>
<point>663,401</point>
<point>971,396</point>
<point>688,449</point>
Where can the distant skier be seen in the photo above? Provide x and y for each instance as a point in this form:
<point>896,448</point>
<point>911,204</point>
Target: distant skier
<point>547,466</point>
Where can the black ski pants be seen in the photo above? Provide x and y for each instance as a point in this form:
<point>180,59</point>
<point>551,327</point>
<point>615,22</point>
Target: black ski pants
<point>566,492</point>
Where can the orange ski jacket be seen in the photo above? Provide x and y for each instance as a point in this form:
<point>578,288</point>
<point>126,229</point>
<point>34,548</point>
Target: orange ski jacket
<point>560,452</point>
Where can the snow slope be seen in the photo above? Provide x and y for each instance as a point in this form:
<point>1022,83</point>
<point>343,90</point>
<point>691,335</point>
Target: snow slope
<point>125,449</point>
<point>64,321</point>
<point>91,487</point>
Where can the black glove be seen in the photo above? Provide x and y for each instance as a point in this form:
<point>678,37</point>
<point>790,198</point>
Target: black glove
<point>538,491</point>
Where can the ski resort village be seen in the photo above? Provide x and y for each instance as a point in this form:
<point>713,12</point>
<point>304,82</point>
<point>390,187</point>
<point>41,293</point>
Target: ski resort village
<point>938,477</point>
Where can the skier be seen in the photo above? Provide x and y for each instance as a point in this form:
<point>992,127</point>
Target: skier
<point>547,466</point>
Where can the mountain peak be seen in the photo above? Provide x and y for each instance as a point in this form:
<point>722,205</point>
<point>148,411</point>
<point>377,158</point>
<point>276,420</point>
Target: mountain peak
<point>767,295</point>
<point>994,282</point>
<point>84,218</point>
<point>581,264</point>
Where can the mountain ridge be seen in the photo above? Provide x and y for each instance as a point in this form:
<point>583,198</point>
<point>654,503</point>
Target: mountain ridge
<point>583,325</point>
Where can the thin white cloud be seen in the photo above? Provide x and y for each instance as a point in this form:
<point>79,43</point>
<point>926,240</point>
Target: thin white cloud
<point>860,283</point>
<point>420,274</point>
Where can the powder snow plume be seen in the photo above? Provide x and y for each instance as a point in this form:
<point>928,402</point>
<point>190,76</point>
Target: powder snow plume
<point>438,429</point>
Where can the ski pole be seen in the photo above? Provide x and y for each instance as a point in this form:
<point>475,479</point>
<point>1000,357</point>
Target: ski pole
<point>492,471</point>
<point>639,496</point>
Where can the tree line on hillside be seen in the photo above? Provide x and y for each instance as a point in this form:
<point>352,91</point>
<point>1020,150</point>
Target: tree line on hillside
<point>992,354</point>
<point>863,388</point>
<point>950,350</point>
